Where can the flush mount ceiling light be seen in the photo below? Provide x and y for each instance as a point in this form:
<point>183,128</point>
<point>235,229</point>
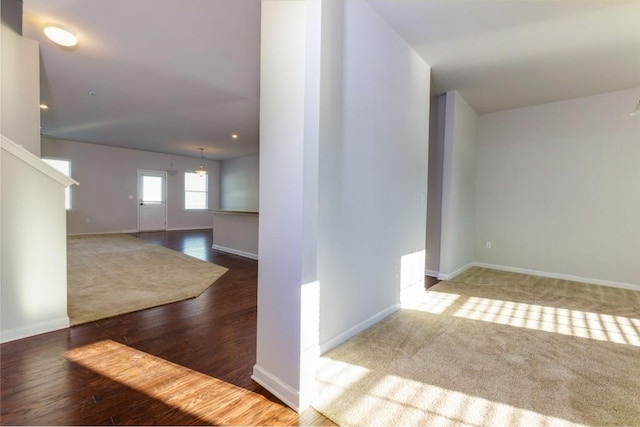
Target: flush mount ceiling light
<point>636,112</point>
<point>234,135</point>
<point>44,107</point>
<point>201,170</point>
<point>60,35</point>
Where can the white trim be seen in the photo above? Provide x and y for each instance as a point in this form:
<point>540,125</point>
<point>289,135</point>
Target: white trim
<point>235,251</point>
<point>431,273</point>
<point>279,388</point>
<point>450,276</point>
<point>104,232</point>
<point>37,329</point>
<point>209,227</point>
<point>600,282</point>
<point>351,332</point>
<point>35,162</point>
<point>136,231</point>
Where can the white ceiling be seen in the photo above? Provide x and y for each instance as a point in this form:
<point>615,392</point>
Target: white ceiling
<point>508,54</point>
<point>175,75</point>
<point>169,75</point>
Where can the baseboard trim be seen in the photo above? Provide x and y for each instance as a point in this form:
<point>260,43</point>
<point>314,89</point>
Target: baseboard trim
<point>450,276</point>
<point>279,388</point>
<point>37,329</point>
<point>432,273</point>
<point>138,231</point>
<point>235,252</point>
<point>351,332</point>
<point>560,276</point>
<point>103,233</point>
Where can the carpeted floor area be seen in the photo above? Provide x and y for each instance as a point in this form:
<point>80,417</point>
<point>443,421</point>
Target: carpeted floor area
<point>493,348</point>
<point>115,274</point>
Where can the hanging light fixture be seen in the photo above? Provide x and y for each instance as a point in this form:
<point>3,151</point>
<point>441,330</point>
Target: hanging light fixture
<point>201,170</point>
<point>636,112</point>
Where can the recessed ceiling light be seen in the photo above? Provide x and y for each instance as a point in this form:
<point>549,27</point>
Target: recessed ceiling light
<point>44,107</point>
<point>234,135</point>
<point>60,35</point>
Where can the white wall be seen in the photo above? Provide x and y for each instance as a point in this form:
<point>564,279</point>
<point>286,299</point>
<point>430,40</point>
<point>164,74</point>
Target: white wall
<point>34,256</point>
<point>343,175</point>
<point>20,98</point>
<point>457,249</point>
<point>108,175</point>
<point>33,282</point>
<point>239,183</point>
<point>288,181</point>
<point>372,170</point>
<point>558,188</point>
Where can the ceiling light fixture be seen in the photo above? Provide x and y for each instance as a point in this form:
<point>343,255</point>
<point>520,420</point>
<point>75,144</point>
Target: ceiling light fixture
<point>44,107</point>
<point>636,112</point>
<point>201,170</point>
<point>60,35</point>
<point>234,135</point>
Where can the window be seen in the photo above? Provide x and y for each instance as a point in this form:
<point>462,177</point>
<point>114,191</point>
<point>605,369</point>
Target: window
<point>196,191</point>
<point>63,166</point>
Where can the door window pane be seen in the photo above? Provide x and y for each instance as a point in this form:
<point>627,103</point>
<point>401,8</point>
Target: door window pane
<point>151,189</point>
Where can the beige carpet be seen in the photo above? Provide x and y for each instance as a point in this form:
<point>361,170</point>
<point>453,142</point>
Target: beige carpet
<point>115,274</point>
<point>493,348</point>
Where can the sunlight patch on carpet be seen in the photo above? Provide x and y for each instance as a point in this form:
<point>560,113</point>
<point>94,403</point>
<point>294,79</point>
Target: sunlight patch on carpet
<point>578,323</point>
<point>391,400</point>
<point>495,349</point>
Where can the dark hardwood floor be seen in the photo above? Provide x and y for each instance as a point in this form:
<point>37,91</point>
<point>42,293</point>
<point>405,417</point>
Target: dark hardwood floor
<point>180,364</point>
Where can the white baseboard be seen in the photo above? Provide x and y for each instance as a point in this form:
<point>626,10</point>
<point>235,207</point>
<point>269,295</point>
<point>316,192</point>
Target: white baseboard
<point>351,332</point>
<point>235,252</point>
<point>431,273</point>
<point>610,283</point>
<point>138,231</point>
<point>37,329</point>
<point>279,388</point>
<point>103,233</point>
<point>450,276</point>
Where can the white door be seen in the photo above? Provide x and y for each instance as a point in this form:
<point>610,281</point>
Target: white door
<point>152,206</point>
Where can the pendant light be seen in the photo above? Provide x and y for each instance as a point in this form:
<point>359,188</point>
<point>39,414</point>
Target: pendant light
<point>201,170</point>
<point>636,112</point>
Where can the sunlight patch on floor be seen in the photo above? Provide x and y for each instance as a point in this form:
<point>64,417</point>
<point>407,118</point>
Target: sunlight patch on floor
<point>596,326</point>
<point>397,401</point>
<point>350,376</point>
<point>200,395</point>
<point>432,302</point>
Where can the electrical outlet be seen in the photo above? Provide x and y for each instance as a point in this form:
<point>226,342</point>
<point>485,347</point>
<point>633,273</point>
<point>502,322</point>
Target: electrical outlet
<point>487,244</point>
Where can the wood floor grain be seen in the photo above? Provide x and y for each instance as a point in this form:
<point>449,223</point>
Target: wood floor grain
<point>184,363</point>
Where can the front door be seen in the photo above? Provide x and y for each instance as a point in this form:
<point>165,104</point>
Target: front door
<point>152,197</point>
